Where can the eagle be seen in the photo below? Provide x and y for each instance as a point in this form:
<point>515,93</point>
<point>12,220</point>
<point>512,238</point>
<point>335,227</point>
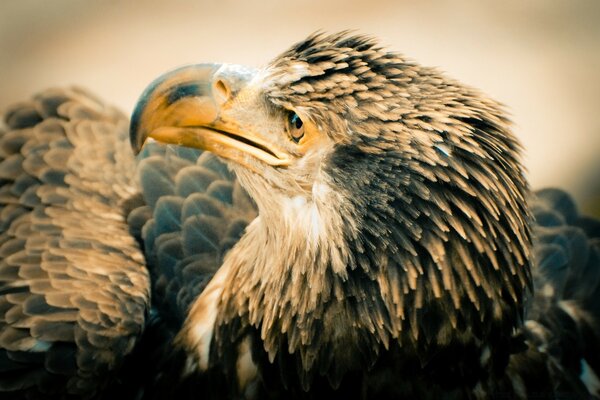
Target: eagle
<point>341,223</point>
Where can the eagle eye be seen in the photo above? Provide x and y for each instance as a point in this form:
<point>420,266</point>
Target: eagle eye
<point>295,127</point>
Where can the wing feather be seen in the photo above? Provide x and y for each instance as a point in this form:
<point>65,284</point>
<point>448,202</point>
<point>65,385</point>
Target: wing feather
<point>196,211</point>
<point>563,319</point>
<point>74,290</point>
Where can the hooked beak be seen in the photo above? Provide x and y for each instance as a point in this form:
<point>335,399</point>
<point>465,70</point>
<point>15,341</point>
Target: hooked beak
<point>185,107</point>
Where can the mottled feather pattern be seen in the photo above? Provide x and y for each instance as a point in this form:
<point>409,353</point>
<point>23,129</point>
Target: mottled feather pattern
<point>73,287</point>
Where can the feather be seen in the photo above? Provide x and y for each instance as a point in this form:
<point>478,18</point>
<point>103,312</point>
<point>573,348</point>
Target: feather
<point>40,232</point>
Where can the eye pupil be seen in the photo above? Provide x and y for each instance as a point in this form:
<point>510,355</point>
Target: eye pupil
<point>296,127</point>
<point>297,121</point>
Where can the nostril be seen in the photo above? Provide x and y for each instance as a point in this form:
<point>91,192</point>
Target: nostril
<point>222,90</point>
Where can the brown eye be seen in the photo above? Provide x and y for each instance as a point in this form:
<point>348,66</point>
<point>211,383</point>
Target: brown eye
<point>295,126</point>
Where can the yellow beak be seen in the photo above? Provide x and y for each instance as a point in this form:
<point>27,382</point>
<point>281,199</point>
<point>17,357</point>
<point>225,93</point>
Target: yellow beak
<point>184,106</point>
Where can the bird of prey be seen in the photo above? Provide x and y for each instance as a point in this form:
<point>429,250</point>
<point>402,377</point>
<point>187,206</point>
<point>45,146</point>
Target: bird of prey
<point>340,223</point>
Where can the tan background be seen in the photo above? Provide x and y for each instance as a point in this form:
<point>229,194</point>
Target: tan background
<point>540,57</point>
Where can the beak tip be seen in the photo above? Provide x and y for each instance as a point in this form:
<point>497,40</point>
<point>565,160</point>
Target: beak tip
<point>136,135</point>
<point>136,141</point>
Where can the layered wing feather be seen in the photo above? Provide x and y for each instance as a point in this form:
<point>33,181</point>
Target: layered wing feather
<point>74,290</point>
<point>563,320</point>
<point>84,229</point>
<point>196,211</point>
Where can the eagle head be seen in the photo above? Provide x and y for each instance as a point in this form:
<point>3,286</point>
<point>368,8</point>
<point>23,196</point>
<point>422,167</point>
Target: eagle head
<point>392,225</point>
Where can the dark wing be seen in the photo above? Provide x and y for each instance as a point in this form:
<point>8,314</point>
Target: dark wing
<point>194,212</point>
<point>563,321</point>
<point>74,290</point>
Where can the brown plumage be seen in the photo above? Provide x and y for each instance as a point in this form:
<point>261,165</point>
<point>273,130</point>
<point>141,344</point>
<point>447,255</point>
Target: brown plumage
<point>392,252</point>
<point>73,282</point>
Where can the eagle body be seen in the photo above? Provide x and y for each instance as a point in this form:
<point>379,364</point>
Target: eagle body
<point>364,229</point>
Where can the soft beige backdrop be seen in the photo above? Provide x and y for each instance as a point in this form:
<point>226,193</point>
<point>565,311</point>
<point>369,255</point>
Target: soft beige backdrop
<point>540,57</point>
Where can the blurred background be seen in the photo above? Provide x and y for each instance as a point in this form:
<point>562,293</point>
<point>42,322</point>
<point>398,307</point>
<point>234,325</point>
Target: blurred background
<point>541,58</point>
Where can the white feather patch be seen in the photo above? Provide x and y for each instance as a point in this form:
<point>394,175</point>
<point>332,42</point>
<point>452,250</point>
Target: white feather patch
<point>302,213</point>
<point>198,332</point>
